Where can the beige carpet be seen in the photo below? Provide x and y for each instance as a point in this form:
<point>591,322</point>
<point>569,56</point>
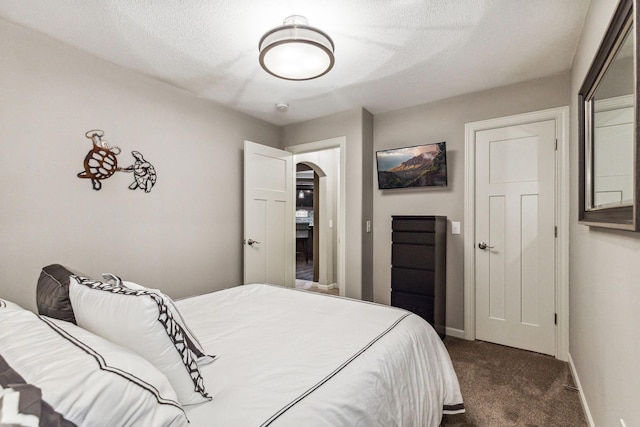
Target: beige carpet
<point>503,386</point>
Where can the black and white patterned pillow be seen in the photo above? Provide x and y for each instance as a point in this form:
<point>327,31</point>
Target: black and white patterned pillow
<point>86,379</point>
<point>9,305</point>
<point>21,405</point>
<point>190,338</point>
<point>142,321</point>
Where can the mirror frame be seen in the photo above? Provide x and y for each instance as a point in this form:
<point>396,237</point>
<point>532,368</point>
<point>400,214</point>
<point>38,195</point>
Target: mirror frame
<point>619,217</point>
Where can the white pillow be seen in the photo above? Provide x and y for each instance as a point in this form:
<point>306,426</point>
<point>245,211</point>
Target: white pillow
<point>10,305</point>
<point>141,321</point>
<point>192,341</point>
<point>83,377</point>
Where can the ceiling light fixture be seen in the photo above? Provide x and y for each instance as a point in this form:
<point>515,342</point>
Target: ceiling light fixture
<point>296,51</point>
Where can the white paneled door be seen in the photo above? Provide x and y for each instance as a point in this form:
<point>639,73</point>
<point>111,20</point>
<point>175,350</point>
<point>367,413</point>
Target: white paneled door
<point>268,215</point>
<point>515,236</point>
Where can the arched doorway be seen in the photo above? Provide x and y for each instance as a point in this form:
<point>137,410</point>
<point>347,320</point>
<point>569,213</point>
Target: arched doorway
<point>316,214</point>
<point>306,206</point>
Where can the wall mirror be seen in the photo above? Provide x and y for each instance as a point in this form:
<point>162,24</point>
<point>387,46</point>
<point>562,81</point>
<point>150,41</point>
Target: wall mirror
<point>608,131</point>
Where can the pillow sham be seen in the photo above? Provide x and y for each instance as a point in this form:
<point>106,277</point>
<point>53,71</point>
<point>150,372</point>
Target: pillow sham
<point>191,340</point>
<point>83,377</point>
<point>52,292</point>
<point>9,305</point>
<point>142,322</point>
<point>26,407</point>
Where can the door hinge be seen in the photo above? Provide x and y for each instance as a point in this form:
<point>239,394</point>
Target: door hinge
<point>555,318</point>
<point>555,231</point>
<point>556,144</point>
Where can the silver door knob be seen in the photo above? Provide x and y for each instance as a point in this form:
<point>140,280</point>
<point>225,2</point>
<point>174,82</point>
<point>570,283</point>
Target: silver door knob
<point>483,245</point>
<point>251,242</point>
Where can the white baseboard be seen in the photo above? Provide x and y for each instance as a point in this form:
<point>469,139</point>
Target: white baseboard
<point>583,400</point>
<point>452,332</point>
<point>327,287</point>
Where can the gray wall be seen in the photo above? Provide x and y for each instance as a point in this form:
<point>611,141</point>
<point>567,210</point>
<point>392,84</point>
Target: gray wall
<point>367,205</point>
<point>355,126</point>
<point>445,121</point>
<point>185,237</point>
<point>604,272</point>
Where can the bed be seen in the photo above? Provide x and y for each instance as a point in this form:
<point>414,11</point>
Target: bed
<point>255,355</point>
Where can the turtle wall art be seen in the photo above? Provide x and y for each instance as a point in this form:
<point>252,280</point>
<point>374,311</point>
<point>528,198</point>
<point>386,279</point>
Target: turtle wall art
<point>144,174</point>
<point>101,162</point>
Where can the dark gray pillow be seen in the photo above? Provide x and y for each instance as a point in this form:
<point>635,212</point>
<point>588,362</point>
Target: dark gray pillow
<point>52,293</point>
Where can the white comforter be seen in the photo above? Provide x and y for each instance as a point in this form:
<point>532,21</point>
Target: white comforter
<point>293,358</point>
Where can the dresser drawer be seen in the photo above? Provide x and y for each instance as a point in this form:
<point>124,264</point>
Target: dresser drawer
<point>413,238</point>
<point>415,281</point>
<point>405,224</point>
<point>417,304</point>
<point>413,256</point>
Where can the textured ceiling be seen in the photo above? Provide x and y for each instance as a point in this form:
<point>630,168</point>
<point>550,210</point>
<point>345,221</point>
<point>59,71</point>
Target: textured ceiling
<point>389,54</point>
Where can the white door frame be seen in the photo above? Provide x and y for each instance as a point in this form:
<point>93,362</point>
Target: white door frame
<point>338,142</point>
<point>561,117</point>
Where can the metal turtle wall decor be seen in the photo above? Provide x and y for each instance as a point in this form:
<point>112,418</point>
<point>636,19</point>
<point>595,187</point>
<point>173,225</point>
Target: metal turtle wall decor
<point>101,162</point>
<point>144,173</point>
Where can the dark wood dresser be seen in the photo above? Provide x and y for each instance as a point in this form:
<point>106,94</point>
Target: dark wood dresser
<point>419,267</point>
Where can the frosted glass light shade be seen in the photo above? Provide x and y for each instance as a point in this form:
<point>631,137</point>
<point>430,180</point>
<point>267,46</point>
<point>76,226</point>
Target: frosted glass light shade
<point>296,51</point>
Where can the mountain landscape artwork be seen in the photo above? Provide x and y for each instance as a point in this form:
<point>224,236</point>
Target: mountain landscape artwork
<point>419,166</point>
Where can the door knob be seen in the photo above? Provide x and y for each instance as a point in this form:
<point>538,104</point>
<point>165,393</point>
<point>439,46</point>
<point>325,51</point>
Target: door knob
<point>251,242</point>
<point>483,245</point>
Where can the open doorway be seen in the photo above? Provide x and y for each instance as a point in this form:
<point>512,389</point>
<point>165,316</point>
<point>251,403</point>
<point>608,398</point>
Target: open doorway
<point>314,218</point>
<point>327,161</point>
<point>306,195</point>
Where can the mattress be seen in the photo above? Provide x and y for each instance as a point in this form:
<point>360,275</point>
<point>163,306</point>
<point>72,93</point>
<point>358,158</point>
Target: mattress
<point>296,358</point>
